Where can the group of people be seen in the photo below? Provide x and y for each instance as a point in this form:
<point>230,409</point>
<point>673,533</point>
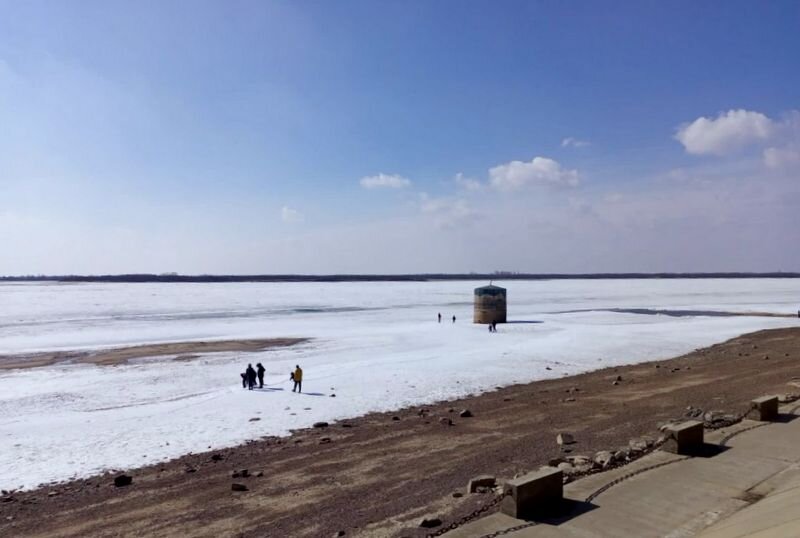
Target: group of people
<point>251,374</point>
<point>440,318</point>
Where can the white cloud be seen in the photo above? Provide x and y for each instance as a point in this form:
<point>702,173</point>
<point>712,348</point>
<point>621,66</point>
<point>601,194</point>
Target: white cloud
<point>574,143</point>
<point>467,183</point>
<point>727,132</point>
<point>291,215</point>
<point>385,181</point>
<point>541,170</point>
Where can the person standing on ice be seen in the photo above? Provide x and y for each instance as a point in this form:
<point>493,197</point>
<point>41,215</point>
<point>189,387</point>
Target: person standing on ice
<point>297,377</point>
<point>260,372</point>
<point>440,317</point>
<point>454,319</point>
<point>251,377</point>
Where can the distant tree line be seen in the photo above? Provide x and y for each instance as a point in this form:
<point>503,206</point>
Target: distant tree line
<point>422,277</point>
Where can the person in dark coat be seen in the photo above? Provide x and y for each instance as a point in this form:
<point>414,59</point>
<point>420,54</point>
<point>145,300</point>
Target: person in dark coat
<point>251,377</point>
<point>244,379</point>
<point>260,372</point>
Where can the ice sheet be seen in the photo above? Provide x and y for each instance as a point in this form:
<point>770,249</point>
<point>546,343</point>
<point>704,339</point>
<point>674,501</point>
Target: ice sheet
<point>377,346</point>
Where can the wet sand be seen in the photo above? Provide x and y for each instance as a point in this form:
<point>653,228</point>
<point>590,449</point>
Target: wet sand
<point>378,475</point>
<point>121,355</point>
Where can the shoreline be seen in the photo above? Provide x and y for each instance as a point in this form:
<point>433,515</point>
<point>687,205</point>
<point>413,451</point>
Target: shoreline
<point>377,474</point>
<point>113,356</point>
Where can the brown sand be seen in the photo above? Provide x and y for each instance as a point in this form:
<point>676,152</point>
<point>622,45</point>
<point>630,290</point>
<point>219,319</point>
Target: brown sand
<point>377,476</point>
<point>120,355</point>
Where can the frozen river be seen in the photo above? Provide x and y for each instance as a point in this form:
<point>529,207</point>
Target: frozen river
<point>377,346</point>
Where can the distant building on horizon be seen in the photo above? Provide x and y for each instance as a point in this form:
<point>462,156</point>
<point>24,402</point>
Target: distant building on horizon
<point>490,304</point>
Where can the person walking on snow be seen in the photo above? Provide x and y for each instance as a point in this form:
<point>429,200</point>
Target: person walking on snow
<point>260,373</point>
<point>297,377</point>
<point>440,317</point>
<point>454,319</point>
<point>251,377</point>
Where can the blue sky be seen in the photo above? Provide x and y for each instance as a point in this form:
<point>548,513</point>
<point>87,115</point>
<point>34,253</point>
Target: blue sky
<point>318,137</point>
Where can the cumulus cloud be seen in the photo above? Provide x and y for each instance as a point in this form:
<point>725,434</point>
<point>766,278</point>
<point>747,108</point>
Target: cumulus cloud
<point>467,183</point>
<point>385,181</point>
<point>541,170</point>
<point>726,133</point>
<point>291,215</point>
<point>571,142</point>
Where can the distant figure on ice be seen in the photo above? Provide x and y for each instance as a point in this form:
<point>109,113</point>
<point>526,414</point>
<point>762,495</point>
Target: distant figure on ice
<point>490,328</point>
<point>244,379</point>
<point>251,377</point>
<point>297,377</point>
<point>454,319</point>
<point>494,326</point>
<point>440,316</point>
<point>260,372</point>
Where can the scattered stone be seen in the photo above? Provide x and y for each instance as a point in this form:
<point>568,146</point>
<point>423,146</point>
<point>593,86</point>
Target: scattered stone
<point>241,473</point>
<point>320,424</point>
<point>482,481</point>
<point>325,441</point>
<point>766,357</point>
<point>693,412</point>
<point>52,493</point>
<point>640,445</point>
<point>217,457</point>
<point>565,439</point>
<point>569,399</point>
<point>333,396</point>
<point>507,399</point>
<point>254,419</point>
<point>123,480</point>
<point>553,462</point>
<point>457,494</point>
<point>445,421</point>
<point>236,486</point>
<point>547,368</point>
<point>430,522</point>
<point>604,458</point>
<point>339,534</point>
<point>346,425</point>
<point>395,418</point>
<point>578,460</point>
<point>466,413</point>
<point>623,454</point>
<point>618,378</point>
<point>566,467</point>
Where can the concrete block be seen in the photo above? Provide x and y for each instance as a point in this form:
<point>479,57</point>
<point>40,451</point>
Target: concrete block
<point>533,494</point>
<point>764,408</point>
<point>684,437</point>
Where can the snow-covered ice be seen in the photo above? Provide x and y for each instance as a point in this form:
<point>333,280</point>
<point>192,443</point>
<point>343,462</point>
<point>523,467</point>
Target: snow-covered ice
<point>377,346</point>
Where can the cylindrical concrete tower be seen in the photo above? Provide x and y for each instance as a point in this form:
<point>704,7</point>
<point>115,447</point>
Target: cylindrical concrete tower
<point>490,304</point>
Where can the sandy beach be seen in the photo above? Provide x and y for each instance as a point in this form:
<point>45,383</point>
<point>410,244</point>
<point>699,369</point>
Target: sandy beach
<point>378,475</point>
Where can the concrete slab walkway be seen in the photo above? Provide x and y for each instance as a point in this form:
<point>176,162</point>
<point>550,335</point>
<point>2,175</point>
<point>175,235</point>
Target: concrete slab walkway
<point>747,485</point>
